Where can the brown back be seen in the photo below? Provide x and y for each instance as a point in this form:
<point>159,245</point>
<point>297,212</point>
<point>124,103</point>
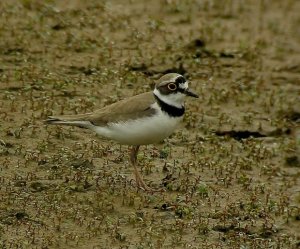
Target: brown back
<point>131,108</point>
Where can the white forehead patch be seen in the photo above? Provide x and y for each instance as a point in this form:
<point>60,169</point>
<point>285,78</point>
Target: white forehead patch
<point>184,85</point>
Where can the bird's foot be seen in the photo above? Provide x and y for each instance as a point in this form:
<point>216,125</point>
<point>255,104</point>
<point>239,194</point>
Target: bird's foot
<point>140,184</point>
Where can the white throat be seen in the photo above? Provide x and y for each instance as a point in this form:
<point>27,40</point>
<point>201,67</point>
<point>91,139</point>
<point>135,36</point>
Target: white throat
<point>176,99</point>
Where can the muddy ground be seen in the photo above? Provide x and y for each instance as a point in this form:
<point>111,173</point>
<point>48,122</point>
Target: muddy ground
<point>230,172</point>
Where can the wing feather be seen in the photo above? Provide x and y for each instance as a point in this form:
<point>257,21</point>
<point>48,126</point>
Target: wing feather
<point>130,108</point>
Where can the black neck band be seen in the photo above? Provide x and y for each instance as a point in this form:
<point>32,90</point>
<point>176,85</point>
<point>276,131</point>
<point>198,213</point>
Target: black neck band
<point>172,111</point>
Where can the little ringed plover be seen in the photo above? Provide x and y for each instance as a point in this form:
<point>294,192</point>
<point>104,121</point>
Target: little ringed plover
<point>143,119</point>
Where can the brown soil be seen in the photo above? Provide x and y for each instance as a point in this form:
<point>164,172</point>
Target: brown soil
<point>231,171</point>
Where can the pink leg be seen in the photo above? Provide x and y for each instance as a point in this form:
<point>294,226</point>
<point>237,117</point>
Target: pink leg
<point>138,178</point>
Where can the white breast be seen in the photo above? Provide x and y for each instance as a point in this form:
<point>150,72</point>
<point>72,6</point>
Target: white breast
<point>147,130</point>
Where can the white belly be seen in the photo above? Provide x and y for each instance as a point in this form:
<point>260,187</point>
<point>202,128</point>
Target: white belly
<point>148,130</point>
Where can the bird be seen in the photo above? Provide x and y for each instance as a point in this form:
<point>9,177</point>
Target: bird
<point>143,119</point>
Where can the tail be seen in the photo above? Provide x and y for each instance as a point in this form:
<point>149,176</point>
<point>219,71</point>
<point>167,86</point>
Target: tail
<point>72,120</point>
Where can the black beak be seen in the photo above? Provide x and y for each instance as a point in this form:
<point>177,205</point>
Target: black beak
<point>189,92</point>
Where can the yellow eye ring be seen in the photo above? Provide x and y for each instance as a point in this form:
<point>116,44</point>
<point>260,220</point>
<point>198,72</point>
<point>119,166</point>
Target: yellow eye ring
<point>172,86</point>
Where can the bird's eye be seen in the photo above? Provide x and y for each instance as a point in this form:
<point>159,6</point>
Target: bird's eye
<point>180,80</point>
<point>172,86</point>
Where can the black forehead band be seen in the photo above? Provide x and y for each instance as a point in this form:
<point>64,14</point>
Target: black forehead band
<point>180,80</point>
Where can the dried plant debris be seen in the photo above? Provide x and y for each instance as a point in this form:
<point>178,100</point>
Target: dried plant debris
<point>292,161</point>
<point>239,135</point>
<point>229,174</point>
